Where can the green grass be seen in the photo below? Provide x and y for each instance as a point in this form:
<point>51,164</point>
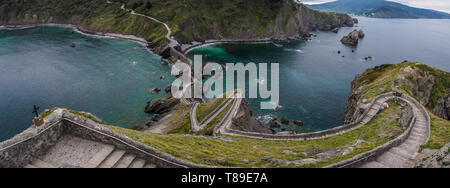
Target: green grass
<point>204,109</point>
<point>88,116</point>
<point>440,133</point>
<point>248,152</point>
<point>384,76</point>
<point>93,15</point>
<point>208,130</point>
<point>47,113</point>
<point>180,121</point>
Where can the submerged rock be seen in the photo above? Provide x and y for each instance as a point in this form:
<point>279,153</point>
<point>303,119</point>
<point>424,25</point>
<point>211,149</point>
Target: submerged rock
<point>168,89</point>
<point>298,123</point>
<point>285,121</point>
<point>335,30</point>
<point>154,90</point>
<point>361,34</point>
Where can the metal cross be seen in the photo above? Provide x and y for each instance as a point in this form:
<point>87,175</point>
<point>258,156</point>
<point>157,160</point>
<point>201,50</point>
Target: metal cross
<point>36,108</point>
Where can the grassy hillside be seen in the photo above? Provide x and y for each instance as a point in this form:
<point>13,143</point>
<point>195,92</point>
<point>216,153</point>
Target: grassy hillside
<point>426,84</point>
<point>198,20</point>
<point>95,15</point>
<point>190,20</point>
<point>249,152</point>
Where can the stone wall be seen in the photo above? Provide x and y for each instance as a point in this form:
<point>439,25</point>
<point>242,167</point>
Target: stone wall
<point>378,151</point>
<point>366,117</point>
<point>176,55</point>
<point>29,145</point>
<point>34,142</point>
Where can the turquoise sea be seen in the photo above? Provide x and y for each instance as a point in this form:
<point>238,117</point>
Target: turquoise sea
<point>107,77</point>
<point>111,77</point>
<point>315,80</point>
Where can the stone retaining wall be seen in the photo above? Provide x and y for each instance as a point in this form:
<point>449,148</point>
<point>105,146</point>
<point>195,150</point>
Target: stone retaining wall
<point>314,135</point>
<point>378,151</point>
<point>29,145</point>
<point>180,56</point>
<point>36,141</point>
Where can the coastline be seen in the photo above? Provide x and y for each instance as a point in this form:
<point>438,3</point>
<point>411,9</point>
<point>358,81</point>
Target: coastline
<point>233,41</point>
<point>80,30</point>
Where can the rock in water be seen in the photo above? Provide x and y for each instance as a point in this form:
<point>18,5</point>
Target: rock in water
<point>154,90</point>
<point>168,89</point>
<point>361,34</point>
<point>161,106</point>
<point>285,121</point>
<point>73,45</point>
<point>351,39</point>
<point>335,30</point>
<point>274,124</point>
<point>298,123</point>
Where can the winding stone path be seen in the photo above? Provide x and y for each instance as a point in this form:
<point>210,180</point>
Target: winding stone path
<point>172,42</point>
<point>196,126</point>
<point>403,155</point>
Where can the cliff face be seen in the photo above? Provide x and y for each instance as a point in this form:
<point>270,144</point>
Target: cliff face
<point>94,16</point>
<point>276,20</point>
<point>245,121</point>
<point>428,85</point>
<point>190,20</point>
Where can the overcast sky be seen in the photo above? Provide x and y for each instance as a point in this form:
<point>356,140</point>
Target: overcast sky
<point>441,5</point>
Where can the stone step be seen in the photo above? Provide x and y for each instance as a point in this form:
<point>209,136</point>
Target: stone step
<point>418,131</point>
<point>42,164</point>
<point>417,138</point>
<point>373,164</point>
<point>418,134</point>
<point>422,128</point>
<point>137,163</point>
<point>99,157</point>
<point>391,160</point>
<point>112,159</point>
<point>404,153</point>
<point>149,165</point>
<point>409,148</point>
<point>413,142</point>
<point>125,161</point>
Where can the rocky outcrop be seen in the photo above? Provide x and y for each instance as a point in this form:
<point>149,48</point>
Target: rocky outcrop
<point>161,106</point>
<point>289,21</point>
<point>298,123</point>
<point>440,159</point>
<point>353,37</point>
<point>442,108</point>
<point>245,121</point>
<point>430,86</point>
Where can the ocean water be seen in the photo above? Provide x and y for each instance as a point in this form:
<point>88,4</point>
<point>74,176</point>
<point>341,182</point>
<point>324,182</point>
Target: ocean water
<point>111,77</point>
<point>107,77</point>
<point>315,80</point>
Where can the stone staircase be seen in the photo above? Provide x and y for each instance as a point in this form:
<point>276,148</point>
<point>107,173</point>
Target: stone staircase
<point>95,155</point>
<point>403,155</point>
